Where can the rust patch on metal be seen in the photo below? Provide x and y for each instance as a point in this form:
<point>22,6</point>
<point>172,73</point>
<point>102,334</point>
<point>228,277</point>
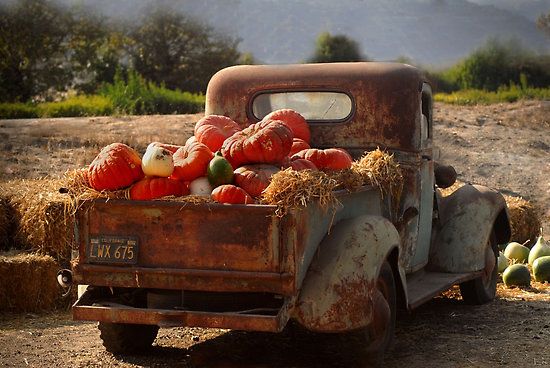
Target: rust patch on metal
<point>172,318</point>
<point>172,279</point>
<point>244,238</point>
<point>351,308</point>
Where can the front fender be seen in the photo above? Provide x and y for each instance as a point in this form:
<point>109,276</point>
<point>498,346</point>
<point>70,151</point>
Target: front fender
<point>467,219</point>
<point>339,289</point>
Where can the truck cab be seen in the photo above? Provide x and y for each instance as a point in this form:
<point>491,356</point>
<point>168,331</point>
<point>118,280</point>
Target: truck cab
<point>244,267</point>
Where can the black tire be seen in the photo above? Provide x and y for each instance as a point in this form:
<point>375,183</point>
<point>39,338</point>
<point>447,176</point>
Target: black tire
<point>379,338</point>
<point>371,343</point>
<point>121,338</point>
<point>483,289</point>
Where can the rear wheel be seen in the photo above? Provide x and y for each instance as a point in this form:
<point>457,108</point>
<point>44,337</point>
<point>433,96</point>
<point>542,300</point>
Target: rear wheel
<point>380,333</point>
<point>120,338</point>
<point>372,342</point>
<point>483,289</point>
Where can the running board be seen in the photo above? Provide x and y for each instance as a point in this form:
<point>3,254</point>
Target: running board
<point>85,310</point>
<point>423,286</point>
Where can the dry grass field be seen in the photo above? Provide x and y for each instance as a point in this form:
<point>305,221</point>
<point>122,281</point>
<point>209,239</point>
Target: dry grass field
<point>505,146</point>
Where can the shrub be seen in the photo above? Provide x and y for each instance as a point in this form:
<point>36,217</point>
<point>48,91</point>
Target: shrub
<point>132,94</point>
<point>166,101</point>
<point>441,81</point>
<point>18,111</point>
<point>498,64</point>
<point>77,106</point>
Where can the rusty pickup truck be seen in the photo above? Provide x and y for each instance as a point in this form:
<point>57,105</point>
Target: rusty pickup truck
<point>151,264</point>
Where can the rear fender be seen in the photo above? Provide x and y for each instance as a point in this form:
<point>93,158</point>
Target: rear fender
<point>339,289</point>
<point>467,219</point>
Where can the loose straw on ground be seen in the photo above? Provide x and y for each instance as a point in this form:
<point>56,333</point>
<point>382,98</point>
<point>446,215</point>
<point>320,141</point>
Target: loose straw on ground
<point>450,190</point>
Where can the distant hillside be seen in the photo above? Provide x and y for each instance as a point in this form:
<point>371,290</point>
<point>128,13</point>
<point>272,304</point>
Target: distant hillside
<point>431,32</point>
<point>531,9</point>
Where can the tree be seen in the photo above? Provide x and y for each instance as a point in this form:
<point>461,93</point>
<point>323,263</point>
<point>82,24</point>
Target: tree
<point>96,50</point>
<point>170,49</point>
<point>247,58</point>
<point>543,23</point>
<point>47,48</point>
<point>336,48</point>
<point>32,52</point>
<point>499,63</point>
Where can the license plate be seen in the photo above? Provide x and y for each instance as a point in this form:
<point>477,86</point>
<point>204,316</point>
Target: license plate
<point>113,249</point>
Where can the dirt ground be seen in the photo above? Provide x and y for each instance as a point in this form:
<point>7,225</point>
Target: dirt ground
<point>505,146</point>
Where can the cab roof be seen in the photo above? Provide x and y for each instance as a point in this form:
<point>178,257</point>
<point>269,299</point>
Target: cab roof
<point>386,99</point>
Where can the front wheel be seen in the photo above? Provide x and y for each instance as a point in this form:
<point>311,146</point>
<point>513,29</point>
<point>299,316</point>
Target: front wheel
<point>483,289</point>
<point>120,338</point>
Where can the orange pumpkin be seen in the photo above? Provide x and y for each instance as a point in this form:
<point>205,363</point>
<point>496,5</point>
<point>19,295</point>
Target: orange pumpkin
<point>298,164</point>
<point>296,122</point>
<point>212,130</point>
<point>191,161</point>
<point>229,193</point>
<point>266,142</point>
<point>298,145</point>
<point>117,166</point>
<point>170,147</point>
<point>328,159</point>
<point>153,187</point>
<point>254,178</point>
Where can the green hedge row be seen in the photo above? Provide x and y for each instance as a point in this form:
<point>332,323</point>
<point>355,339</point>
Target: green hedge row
<point>503,94</point>
<point>74,106</point>
<point>134,97</point>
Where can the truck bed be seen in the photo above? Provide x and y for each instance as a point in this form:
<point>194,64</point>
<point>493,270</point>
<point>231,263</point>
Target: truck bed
<point>208,246</point>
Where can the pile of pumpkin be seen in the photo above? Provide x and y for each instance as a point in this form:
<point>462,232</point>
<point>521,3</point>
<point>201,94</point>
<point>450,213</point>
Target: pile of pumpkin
<point>220,160</point>
<point>516,262</point>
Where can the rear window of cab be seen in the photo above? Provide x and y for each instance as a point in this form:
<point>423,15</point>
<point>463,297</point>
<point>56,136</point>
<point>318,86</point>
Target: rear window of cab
<point>315,106</point>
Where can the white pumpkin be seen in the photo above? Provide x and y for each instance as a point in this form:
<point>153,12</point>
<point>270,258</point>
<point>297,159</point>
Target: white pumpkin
<point>540,249</point>
<point>200,186</point>
<point>157,161</point>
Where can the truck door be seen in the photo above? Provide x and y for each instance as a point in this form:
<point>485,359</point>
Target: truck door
<point>420,257</point>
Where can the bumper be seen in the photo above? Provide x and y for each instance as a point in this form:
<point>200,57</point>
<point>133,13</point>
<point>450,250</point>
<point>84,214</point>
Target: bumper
<point>85,309</point>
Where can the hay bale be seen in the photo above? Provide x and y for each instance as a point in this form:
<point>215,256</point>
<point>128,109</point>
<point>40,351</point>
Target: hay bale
<point>28,282</point>
<point>6,220</point>
<point>43,219</point>
<point>525,220</point>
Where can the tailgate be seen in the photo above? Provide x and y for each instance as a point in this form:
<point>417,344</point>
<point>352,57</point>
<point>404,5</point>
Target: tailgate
<point>176,235</point>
